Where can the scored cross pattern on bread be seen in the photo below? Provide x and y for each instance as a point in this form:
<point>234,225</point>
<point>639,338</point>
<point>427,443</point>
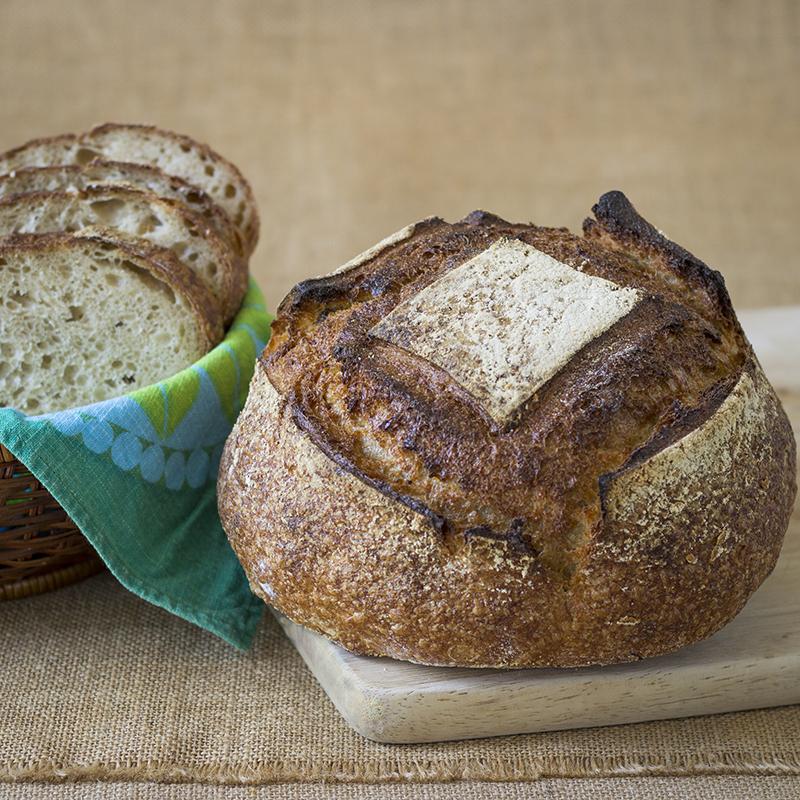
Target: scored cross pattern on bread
<point>74,177</point>
<point>517,317</point>
<point>86,317</point>
<point>137,213</point>
<point>494,444</point>
<point>173,153</point>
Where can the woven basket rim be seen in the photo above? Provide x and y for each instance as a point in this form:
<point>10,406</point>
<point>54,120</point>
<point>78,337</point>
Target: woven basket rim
<point>52,580</point>
<point>41,546</point>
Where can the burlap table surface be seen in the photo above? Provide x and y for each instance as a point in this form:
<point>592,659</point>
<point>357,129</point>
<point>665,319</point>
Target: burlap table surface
<point>701,788</point>
<point>96,685</point>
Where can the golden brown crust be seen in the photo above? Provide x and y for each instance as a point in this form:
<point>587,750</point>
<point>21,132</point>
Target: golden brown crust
<point>231,264</point>
<point>100,172</point>
<point>252,227</point>
<point>10,157</point>
<point>167,267</point>
<point>372,498</point>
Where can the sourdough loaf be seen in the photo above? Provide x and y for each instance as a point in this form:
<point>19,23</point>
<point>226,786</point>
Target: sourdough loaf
<point>495,444</point>
<point>173,153</point>
<point>87,317</point>
<point>140,214</point>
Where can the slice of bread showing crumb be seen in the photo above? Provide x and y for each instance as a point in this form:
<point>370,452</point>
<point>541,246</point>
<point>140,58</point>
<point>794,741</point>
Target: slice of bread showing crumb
<point>74,177</point>
<point>85,318</point>
<point>135,213</point>
<point>173,153</point>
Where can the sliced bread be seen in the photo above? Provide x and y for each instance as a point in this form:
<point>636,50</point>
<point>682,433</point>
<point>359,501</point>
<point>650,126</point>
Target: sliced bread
<point>173,153</point>
<point>135,213</point>
<point>74,177</point>
<point>86,317</point>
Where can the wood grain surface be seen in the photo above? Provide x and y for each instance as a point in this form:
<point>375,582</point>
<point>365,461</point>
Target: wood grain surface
<point>353,118</point>
<point>754,662</point>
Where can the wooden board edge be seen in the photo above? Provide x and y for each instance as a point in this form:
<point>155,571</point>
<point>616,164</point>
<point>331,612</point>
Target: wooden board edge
<point>358,702</point>
<point>391,717</point>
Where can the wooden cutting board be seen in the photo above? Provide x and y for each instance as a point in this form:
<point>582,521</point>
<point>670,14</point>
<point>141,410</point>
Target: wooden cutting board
<point>754,662</point>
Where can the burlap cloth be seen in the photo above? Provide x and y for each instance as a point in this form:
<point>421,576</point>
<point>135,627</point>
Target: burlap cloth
<point>96,685</point>
<point>703,788</point>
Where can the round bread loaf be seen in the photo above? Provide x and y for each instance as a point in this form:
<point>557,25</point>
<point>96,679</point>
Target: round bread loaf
<point>495,444</point>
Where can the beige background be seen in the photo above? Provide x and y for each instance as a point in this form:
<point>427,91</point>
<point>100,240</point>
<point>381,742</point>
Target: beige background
<point>352,119</point>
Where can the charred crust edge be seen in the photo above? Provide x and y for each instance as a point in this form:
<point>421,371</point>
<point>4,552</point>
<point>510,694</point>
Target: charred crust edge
<point>328,287</point>
<point>308,425</point>
<point>479,217</point>
<point>617,217</point>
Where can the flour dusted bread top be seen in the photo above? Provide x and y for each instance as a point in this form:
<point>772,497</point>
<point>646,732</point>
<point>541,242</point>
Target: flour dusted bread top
<point>492,372</point>
<point>518,316</point>
<point>496,444</point>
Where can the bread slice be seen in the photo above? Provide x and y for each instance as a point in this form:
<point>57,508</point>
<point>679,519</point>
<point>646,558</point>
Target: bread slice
<point>171,152</point>
<point>74,177</point>
<point>135,213</point>
<point>85,318</point>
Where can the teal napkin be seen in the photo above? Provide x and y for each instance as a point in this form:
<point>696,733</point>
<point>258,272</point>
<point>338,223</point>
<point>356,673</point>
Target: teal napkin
<point>137,474</point>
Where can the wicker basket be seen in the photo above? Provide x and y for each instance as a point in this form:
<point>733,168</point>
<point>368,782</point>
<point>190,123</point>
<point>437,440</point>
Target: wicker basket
<point>41,548</point>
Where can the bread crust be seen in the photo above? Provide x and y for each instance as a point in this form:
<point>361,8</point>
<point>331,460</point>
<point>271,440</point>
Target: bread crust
<point>252,223</point>
<point>637,500</point>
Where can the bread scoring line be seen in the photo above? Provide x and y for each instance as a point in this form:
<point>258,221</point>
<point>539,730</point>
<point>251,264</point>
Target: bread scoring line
<point>505,322</point>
